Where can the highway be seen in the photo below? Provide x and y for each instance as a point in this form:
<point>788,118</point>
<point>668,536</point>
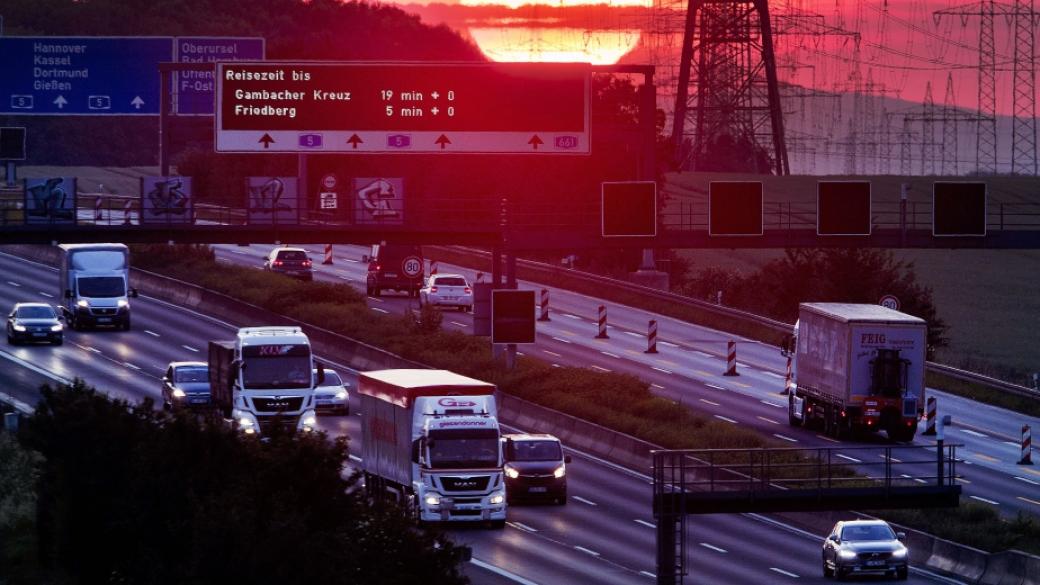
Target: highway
<point>689,366</point>
<point>604,535</point>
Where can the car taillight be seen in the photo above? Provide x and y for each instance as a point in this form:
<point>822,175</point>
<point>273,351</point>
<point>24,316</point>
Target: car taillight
<point>306,262</point>
<point>467,291</point>
<point>433,289</point>
<point>277,262</point>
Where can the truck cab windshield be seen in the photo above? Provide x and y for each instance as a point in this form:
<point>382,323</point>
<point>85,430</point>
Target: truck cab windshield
<point>462,448</point>
<point>97,287</point>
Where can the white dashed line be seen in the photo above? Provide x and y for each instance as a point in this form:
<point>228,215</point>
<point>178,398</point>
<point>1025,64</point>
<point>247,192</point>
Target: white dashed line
<point>706,401</point>
<point>847,458</point>
<point>595,367</point>
<point>613,355</point>
<point>152,333</point>
<point>584,501</point>
<point>560,339</point>
<point>667,344</point>
<point>892,459</point>
<point>919,480</point>
<point>775,375</point>
<point>349,260</point>
<point>725,418</point>
<point>743,365</point>
<point>48,295</point>
<point>981,499</point>
<point>1027,480</point>
<point>380,309</point>
<point>714,386</point>
<point>522,526</point>
<point>768,403</point>
<point>12,283</point>
<point>648,574</point>
<point>569,316</point>
<point>376,299</point>
<point>662,370</point>
<point>552,353</point>
<point>457,324</point>
<point>557,366</point>
<point>768,420</point>
<point>633,334</point>
<point>93,349</point>
<point>190,348</point>
<point>242,252</point>
<point>974,433</point>
<point>131,366</point>
<point>645,523</point>
<point>586,551</point>
<point>702,354</point>
<point>658,386</point>
<point>827,439</point>
<point>714,548</point>
<point>783,572</point>
<point>785,438</point>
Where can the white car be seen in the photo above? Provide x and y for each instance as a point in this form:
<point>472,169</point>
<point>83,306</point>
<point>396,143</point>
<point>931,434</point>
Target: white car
<point>447,290</point>
<point>331,395</point>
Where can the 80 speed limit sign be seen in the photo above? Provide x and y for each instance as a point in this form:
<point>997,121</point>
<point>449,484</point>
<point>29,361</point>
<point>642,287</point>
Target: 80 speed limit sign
<point>412,266</point>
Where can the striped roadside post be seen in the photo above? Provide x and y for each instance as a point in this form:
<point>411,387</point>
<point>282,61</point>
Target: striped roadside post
<point>126,212</point>
<point>545,306</point>
<point>328,254</point>
<point>602,320</point>
<point>433,267</point>
<point>929,426</point>
<point>97,208</point>
<point>731,359</point>
<point>651,337</point>
<point>787,378</point>
<point>1027,447</point>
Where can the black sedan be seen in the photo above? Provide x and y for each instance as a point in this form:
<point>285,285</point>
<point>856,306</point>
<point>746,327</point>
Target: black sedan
<point>34,322</point>
<point>186,384</point>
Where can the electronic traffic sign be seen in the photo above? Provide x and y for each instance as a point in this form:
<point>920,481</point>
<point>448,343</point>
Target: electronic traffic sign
<point>628,208</point>
<point>529,108</point>
<point>512,316</point>
<point>843,208</point>
<point>735,208</point>
<point>958,209</point>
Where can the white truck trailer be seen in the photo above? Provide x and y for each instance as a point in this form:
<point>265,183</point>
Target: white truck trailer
<point>94,285</point>
<point>856,368</point>
<point>264,377</point>
<point>431,438</point>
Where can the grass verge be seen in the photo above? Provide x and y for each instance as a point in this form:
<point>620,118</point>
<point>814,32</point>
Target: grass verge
<point>617,401</point>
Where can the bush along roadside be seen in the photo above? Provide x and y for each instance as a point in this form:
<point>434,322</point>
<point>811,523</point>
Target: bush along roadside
<point>616,401</point>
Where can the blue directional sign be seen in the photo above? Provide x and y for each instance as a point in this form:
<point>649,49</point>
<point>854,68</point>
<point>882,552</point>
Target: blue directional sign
<point>82,75</point>
<point>193,90</point>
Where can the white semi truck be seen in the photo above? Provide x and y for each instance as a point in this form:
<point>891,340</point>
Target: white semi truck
<point>94,285</point>
<point>264,377</point>
<point>857,367</point>
<point>431,438</point>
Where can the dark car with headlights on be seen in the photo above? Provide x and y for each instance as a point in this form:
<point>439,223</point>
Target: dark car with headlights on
<point>34,322</point>
<point>535,468</point>
<point>186,384</point>
<point>865,547</point>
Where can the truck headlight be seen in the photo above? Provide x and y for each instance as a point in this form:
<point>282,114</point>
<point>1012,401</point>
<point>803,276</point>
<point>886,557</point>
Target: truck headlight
<point>310,421</point>
<point>433,500</point>
<point>245,422</point>
<point>497,498</point>
<point>56,327</point>
<point>19,327</point>
<point>122,303</point>
<point>559,471</point>
<point>178,393</point>
<point>847,554</point>
<point>511,472</point>
<point>82,303</point>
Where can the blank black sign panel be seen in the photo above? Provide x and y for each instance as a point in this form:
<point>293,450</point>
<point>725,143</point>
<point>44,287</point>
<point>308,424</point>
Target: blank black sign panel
<point>843,208</point>
<point>959,209</point>
<point>629,209</point>
<point>735,208</point>
<point>12,143</point>
<point>512,316</point>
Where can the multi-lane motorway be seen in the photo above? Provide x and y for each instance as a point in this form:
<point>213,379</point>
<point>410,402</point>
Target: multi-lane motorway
<point>604,535</point>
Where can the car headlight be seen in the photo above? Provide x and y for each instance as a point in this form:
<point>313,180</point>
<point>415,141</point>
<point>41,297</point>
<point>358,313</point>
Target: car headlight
<point>82,303</point>
<point>122,303</point>
<point>497,498</point>
<point>433,500</point>
<point>56,327</point>
<point>559,471</point>
<point>511,472</point>
<point>847,554</point>
<point>899,553</point>
<point>341,395</point>
<point>178,393</point>
<point>18,327</point>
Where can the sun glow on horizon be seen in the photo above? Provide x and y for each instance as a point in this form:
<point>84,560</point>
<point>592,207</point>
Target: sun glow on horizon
<point>558,3</point>
<point>555,45</point>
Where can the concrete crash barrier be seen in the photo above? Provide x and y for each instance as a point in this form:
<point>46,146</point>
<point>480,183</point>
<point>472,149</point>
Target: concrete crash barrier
<point>963,561</point>
<point>1012,568</point>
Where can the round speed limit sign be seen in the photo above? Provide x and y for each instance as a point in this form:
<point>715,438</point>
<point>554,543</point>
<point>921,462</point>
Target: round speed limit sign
<point>412,266</point>
<point>889,301</point>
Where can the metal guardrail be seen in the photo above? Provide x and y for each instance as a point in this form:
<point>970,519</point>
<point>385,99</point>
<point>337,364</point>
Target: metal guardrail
<point>729,312</point>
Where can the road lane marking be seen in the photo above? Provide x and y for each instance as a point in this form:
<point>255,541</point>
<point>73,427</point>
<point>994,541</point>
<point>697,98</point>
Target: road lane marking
<point>892,459</point>
<point>95,350</point>
<point>595,367</point>
<point>667,343</point>
<point>703,373</point>
<point>584,501</point>
<point>1034,502</point>
<point>960,479</point>
<point>613,355</point>
<point>648,574</point>
<point>190,348</point>
<point>522,526</point>
<point>131,366</point>
<point>1032,471</point>
<point>847,458</point>
<point>986,500</point>
<point>586,551</point>
<point>562,339</point>
<point>986,457</point>
<point>1029,481</point>
<point>706,401</point>
<point>557,366</point>
<point>457,324</point>
<point>775,375</point>
<point>658,386</point>
<point>768,420</point>
<point>380,309</point>
<point>768,403</point>
<point>662,370</point>
<point>376,299</point>
<point>714,386</point>
<point>242,252</point>
<point>783,572</point>
<point>48,295</point>
<point>827,439</point>
<point>974,433</point>
<point>1013,444</point>
<point>501,572</point>
<point>645,523</point>
<point>13,283</point>
<point>714,548</point>
<point>743,365</point>
<point>785,438</point>
<point>667,363</point>
<point>152,333</point>
<point>633,334</point>
<point>741,384</point>
<point>552,353</point>
<point>569,316</point>
<point>725,418</point>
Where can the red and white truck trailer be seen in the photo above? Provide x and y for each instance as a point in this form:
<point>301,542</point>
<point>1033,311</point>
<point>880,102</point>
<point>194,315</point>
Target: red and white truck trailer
<point>857,368</point>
